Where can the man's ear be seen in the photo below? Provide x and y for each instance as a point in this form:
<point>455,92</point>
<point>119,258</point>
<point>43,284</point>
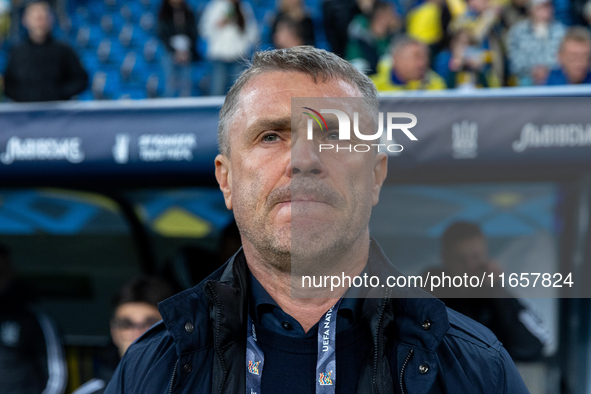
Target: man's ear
<point>223,174</point>
<point>380,170</point>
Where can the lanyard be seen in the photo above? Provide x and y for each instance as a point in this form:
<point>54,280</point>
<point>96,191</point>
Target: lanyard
<point>325,364</point>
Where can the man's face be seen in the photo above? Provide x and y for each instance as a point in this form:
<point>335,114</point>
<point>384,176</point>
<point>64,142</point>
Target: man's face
<point>37,19</point>
<point>542,13</point>
<point>131,320</point>
<point>468,256</point>
<point>278,184</point>
<point>411,62</point>
<point>478,5</point>
<point>574,58</point>
<point>384,21</point>
<point>286,36</point>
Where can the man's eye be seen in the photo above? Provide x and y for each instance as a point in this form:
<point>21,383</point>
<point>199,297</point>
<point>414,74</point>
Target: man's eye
<point>270,138</point>
<point>332,136</point>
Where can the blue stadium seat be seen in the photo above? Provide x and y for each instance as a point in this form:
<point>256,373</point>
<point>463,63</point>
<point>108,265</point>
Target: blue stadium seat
<point>132,11</point>
<point>135,70</point>
<point>132,94</point>
<point>137,9</point>
<point>110,52</point>
<point>77,20</point>
<point>126,13</point>
<point>155,85</point>
<point>111,5</point>
<point>88,36</point>
<point>83,13</point>
<point>148,22</point>
<point>126,35</point>
<point>118,22</point>
<point>149,4</point>
<point>111,24</point>
<point>86,95</point>
<point>106,84</point>
<point>89,61</point>
<point>140,37</point>
<point>312,5</point>
<point>132,36</point>
<point>152,51</point>
<point>96,10</point>
<point>107,24</point>
<point>201,70</point>
<point>261,13</point>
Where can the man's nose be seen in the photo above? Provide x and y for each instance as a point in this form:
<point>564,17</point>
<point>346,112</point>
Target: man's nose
<point>305,160</point>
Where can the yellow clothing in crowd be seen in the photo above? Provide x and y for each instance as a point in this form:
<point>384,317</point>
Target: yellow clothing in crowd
<point>384,82</point>
<point>424,23</point>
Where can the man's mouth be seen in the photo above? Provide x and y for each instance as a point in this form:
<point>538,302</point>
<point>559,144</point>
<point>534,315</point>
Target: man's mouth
<point>303,199</point>
<point>301,193</point>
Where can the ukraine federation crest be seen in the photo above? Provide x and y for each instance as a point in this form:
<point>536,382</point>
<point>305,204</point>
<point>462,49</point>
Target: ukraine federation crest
<point>253,367</point>
<point>325,379</point>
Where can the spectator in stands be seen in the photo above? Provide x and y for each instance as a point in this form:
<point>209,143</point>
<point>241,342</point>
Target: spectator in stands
<point>464,251</point>
<point>462,66</point>
<point>337,14</point>
<point>370,36</point>
<point>574,58</point>
<point>31,354</point>
<point>533,44</point>
<point>231,32</point>
<point>513,13</point>
<point>294,17</point>
<point>580,12</point>
<point>407,69</point>
<point>586,13</point>
<point>482,18</point>
<point>286,35</point>
<point>177,30</point>
<point>5,7</point>
<point>135,310</point>
<point>42,69</point>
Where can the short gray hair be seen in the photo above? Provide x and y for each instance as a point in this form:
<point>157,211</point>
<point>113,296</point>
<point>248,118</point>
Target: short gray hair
<point>578,34</point>
<point>317,63</point>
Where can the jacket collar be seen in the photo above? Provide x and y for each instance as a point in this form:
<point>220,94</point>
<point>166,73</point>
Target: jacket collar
<point>410,307</point>
<point>222,298</point>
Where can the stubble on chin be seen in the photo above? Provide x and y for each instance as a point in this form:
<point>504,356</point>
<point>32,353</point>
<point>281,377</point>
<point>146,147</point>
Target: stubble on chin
<point>272,244</point>
<point>299,249</point>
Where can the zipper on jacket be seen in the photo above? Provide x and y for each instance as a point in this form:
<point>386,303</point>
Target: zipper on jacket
<point>408,356</point>
<point>216,334</point>
<point>176,365</point>
<point>377,345</point>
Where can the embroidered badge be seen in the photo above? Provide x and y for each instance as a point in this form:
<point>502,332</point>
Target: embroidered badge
<point>253,367</point>
<point>325,379</point>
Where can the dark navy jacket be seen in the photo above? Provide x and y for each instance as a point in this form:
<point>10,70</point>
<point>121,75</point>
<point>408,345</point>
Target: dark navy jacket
<point>200,345</point>
<point>557,77</point>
